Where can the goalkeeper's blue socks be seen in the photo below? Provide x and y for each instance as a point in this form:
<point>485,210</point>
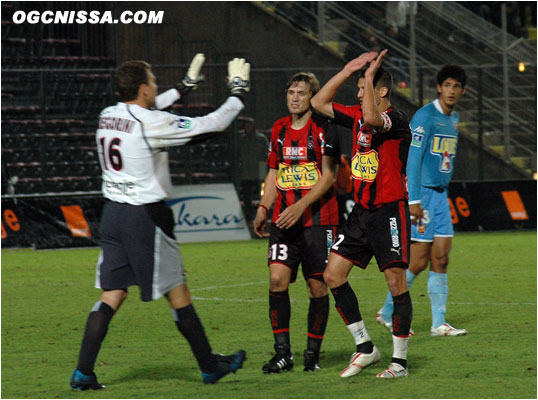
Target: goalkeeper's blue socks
<point>388,307</point>
<point>438,292</point>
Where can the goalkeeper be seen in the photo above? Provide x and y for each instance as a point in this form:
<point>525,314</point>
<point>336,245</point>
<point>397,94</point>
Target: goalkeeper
<point>138,246</point>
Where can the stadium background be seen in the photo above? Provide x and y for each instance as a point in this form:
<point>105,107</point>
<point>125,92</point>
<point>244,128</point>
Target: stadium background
<point>56,79</point>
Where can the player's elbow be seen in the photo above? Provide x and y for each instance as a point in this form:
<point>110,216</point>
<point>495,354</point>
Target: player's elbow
<point>372,120</point>
<point>315,102</point>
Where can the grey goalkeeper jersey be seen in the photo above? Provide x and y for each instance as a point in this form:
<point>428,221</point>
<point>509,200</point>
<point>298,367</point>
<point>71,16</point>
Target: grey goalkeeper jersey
<point>132,145</point>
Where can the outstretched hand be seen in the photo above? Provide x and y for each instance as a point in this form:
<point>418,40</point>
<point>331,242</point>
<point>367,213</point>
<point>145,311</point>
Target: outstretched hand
<point>375,63</point>
<point>360,62</point>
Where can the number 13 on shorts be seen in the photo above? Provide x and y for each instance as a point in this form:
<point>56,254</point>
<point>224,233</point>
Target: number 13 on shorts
<point>278,252</point>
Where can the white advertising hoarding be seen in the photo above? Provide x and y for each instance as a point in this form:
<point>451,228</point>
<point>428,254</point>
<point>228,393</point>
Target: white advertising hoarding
<point>207,213</point>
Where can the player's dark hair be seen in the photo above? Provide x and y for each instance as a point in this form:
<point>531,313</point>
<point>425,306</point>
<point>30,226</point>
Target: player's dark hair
<point>129,76</point>
<point>307,77</point>
<point>382,78</point>
<point>452,71</point>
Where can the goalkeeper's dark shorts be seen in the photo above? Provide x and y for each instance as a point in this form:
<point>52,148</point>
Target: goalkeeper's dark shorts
<point>138,247</point>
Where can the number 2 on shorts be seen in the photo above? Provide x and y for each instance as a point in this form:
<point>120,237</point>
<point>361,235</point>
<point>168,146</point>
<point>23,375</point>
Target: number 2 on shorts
<point>337,243</point>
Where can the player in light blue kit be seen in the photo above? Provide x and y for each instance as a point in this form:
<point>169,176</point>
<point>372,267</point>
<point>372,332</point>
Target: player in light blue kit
<point>429,168</point>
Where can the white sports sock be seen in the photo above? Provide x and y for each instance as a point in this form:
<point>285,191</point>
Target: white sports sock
<point>359,332</point>
<point>400,347</point>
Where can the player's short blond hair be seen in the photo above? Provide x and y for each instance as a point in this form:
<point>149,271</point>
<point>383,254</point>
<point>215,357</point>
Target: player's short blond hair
<point>307,77</point>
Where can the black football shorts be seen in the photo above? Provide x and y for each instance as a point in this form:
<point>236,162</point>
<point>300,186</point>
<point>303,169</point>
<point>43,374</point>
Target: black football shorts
<point>308,246</point>
<point>384,232</point>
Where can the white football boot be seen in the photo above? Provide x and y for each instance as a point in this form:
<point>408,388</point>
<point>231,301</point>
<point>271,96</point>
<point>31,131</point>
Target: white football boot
<point>394,370</point>
<point>359,361</point>
<point>447,330</point>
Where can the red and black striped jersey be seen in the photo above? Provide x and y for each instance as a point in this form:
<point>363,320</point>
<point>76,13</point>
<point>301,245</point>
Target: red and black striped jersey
<point>297,155</point>
<point>379,155</point>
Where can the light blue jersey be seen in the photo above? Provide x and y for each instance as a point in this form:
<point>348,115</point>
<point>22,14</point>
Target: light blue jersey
<point>432,151</point>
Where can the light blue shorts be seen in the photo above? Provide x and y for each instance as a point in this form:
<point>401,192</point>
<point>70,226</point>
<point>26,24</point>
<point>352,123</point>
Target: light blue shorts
<point>437,221</point>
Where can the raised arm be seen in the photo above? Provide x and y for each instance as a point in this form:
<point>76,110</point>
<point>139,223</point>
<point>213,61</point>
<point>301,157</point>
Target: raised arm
<point>370,112</point>
<point>323,100</point>
<point>190,82</point>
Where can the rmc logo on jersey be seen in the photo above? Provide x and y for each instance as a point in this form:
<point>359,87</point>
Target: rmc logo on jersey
<point>295,153</point>
<point>444,147</point>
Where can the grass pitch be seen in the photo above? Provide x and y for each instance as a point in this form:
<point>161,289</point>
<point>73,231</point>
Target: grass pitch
<point>46,297</point>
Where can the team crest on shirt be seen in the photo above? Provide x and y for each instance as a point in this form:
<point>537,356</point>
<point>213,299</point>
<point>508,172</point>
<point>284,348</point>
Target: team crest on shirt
<point>310,142</point>
<point>444,147</point>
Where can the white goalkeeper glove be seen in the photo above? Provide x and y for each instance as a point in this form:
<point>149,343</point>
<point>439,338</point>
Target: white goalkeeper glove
<point>193,76</point>
<point>239,77</point>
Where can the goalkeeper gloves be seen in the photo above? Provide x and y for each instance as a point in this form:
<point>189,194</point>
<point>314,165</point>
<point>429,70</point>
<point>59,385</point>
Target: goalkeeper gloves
<point>193,76</point>
<point>239,77</point>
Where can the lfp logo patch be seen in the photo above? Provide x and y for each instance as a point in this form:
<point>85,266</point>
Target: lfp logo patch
<point>184,123</point>
<point>417,139</point>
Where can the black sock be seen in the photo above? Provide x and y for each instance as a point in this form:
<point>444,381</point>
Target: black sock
<point>346,303</point>
<point>400,361</point>
<point>190,326</point>
<point>279,314</point>
<point>94,334</point>
<point>318,314</point>
<point>366,347</point>
<point>402,314</point>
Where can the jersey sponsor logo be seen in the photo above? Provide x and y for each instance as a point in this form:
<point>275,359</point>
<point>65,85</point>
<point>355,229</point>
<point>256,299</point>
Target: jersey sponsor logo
<point>184,123</point>
<point>445,148</point>
<point>364,139</point>
<point>295,153</point>
<point>395,236</point>
<point>364,166</point>
<point>417,139</point>
<point>119,188</point>
<point>116,124</point>
<point>299,176</point>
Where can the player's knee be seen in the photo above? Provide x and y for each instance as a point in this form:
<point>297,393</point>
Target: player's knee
<point>440,263</point>
<point>396,280</point>
<point>277,283</point>
<point>316,288</point>
<point>331,279</point>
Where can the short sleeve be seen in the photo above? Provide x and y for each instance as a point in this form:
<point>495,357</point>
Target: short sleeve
<point>272,155</point>
<point>344,115</point>
<point>331,147</point>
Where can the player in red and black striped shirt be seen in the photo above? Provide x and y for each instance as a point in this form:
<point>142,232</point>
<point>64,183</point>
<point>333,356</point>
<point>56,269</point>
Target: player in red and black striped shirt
<point>379,224</point>
<point>303,157</point>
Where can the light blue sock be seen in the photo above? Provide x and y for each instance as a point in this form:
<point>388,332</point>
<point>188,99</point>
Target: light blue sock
<point>388,307</point>
<point>438,291</point>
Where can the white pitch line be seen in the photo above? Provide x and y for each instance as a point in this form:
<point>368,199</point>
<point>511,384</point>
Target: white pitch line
<point>227,286</point>
<point>238,300</point>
